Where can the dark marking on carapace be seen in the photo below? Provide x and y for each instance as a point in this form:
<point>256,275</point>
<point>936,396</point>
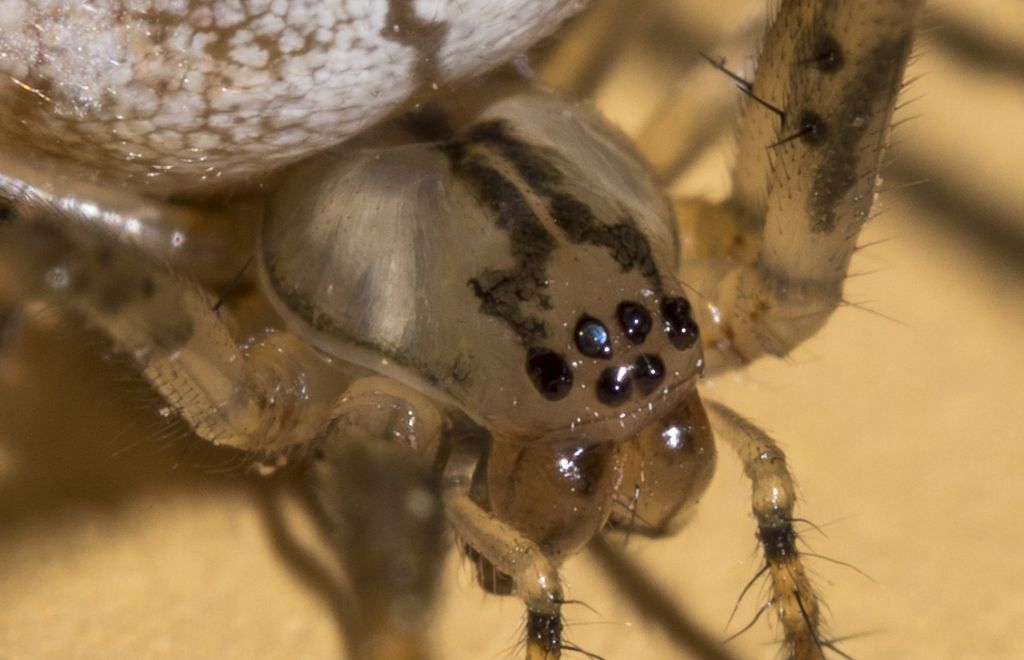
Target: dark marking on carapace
<point>504,292</point>
<point>624,241</point>
<point>528,160</point>
<point>626,244</point>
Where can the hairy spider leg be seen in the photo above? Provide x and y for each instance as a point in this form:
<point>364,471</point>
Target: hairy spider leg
<point>534,576</point>
<point>771,260</point>
<point>773,496</point>
<point>810,147</point>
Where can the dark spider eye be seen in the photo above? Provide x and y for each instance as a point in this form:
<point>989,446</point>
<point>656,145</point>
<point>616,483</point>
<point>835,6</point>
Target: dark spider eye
<point>680,327</point>
<point>648,371</point>
<point>549,372</point>
<point>592,338</point>
<point>614,385</point>
<point>635,321</point>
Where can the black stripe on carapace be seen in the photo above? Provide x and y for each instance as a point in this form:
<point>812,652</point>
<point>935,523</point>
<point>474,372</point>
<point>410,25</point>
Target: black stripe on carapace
<point>528,160</point>
<point>847,155</point>
<point>625,242</point>
<point>779,543</point>
<point>504,292</point>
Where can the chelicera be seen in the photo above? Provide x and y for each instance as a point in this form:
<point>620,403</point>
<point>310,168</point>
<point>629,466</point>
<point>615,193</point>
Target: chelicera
<point>481,316</point>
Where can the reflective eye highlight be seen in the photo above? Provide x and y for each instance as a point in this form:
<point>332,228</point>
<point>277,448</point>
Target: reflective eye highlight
<point>592,338</point>
<point>614,385</point>
<point>648,372</point>
<point>634,320</point>
<point>680,327</point>
<point>549,372</point>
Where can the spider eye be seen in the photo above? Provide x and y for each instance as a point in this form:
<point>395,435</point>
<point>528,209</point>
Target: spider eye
<point>634,320</point>
<point>649,371</point>
<point>549,372</point>
<point>680,327</point>
<point>614,385</point>
<point>592,338</point>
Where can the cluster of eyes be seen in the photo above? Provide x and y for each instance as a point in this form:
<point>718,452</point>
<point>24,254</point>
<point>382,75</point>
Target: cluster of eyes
<point>553,376</point>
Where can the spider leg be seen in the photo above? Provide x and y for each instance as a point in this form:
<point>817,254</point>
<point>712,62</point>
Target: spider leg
<point>809,150</point>
<point>379,492</point>
<point>793,597</point>
<point>509,551</point>
<point>261,394</point>
<point>700,110</point>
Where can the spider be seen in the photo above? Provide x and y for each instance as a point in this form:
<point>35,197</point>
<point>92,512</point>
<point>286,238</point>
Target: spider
<point>484,314</point>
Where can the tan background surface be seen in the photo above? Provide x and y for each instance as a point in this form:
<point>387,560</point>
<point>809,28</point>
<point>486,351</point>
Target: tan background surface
<point>119,538</point>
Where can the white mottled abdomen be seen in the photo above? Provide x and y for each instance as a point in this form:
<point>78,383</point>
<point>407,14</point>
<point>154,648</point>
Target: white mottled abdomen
<point>178,93</point>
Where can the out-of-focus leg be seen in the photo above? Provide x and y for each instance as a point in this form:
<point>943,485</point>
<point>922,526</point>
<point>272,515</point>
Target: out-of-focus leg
<point>374,479</point>
<point>262,394</point>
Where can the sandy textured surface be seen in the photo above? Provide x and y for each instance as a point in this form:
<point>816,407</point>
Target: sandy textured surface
<point>121,538</point>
